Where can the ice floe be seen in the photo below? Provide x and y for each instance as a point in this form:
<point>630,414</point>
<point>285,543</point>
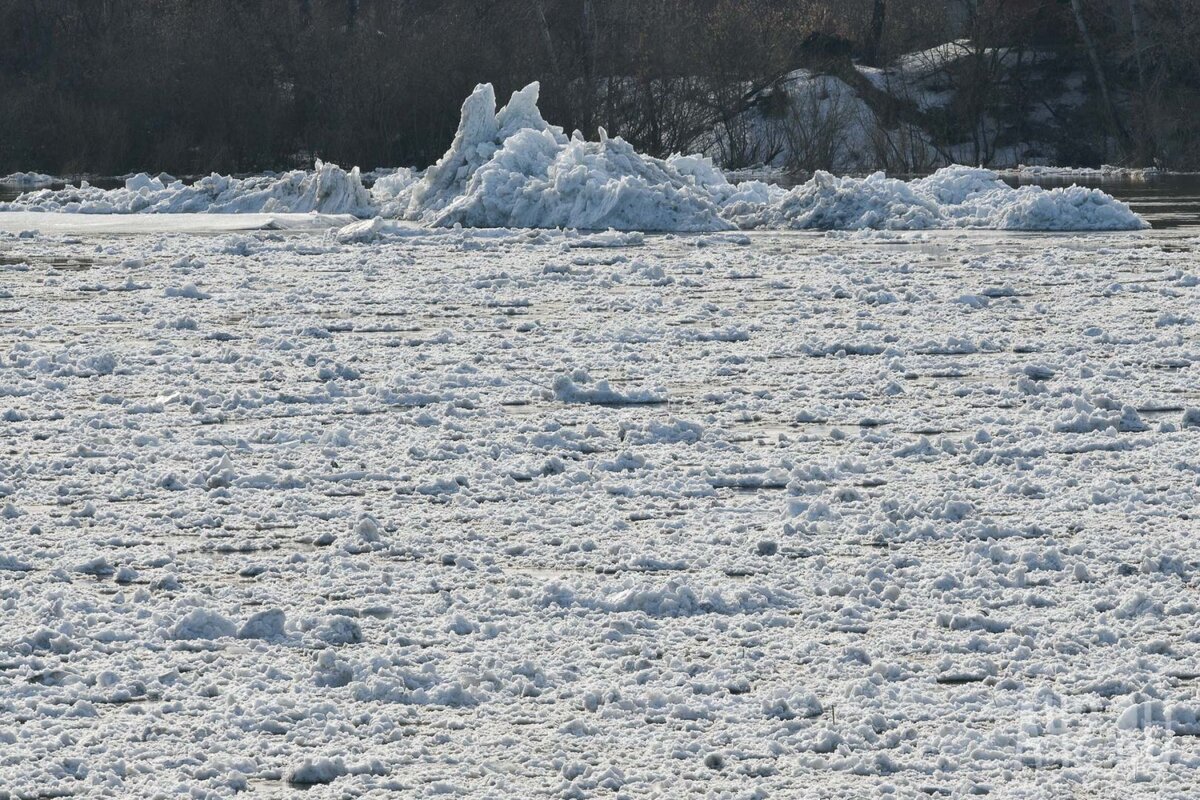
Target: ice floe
<point>28,180</point>
<point>1104,172</point>
<point>384,515</point>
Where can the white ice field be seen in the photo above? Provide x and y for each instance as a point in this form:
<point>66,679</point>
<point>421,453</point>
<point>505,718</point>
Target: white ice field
<point>383,509</point>
<point>531,514</point>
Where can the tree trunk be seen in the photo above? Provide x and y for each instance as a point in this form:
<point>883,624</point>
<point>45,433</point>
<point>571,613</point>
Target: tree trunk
<point>1149,146</point>
<point>875,37</point>
<point>1098,72</point>
<point>588,25</point>
<point>547,39</point>
<point>1135,23</point>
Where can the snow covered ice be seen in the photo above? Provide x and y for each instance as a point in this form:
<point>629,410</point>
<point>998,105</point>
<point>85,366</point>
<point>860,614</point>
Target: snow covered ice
<point>510,168</point>
<point>417,511</point>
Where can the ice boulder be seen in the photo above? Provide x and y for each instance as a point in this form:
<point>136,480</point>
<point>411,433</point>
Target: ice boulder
<point>977,198</point>
<point>202,623</point>
<point>952,197</point>
<point>476,141</point>
<point>318,770</point>
<point>391,190</point>
<point>513,169</point>
<point>829,202</point>
<point>267,624</point>
<point>789,704</point>
<point>579,387</point>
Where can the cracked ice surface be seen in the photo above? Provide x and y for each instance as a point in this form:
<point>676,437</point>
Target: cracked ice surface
<point>524,514</point>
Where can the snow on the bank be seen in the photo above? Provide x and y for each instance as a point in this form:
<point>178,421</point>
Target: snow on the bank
<point>803,118</point>
<point>328,189</point>
<point>512,169</point>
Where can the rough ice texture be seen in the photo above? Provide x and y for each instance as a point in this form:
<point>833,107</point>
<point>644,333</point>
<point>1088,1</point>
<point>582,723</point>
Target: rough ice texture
<point>578,387</point>
<point>202,623</point>
<point>885,543</point>
<point>328,189</point>
<point>312,771</point>
<point>512,169</point>
<point>391,191</point>
<point>264,625</point>
<point>952,197</point>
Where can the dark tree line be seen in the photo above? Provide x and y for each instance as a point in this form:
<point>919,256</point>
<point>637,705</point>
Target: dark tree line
<point>109,86</point>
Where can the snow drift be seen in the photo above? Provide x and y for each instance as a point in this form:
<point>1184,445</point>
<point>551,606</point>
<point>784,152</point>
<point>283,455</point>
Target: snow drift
<point>512,169</point>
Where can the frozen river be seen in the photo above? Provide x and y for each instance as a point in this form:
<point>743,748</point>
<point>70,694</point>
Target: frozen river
<point>522,514</point>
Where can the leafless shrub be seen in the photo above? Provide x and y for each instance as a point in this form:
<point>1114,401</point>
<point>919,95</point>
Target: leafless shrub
<point>820,121</point>
<point>904,149</point>
<point>197,85</point>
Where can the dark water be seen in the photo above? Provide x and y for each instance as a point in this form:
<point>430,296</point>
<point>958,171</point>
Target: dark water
<point>1166,201</point>
<point>8,193</point>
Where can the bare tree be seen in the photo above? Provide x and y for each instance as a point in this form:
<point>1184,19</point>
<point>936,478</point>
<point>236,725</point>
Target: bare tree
<point>1110,111</point>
